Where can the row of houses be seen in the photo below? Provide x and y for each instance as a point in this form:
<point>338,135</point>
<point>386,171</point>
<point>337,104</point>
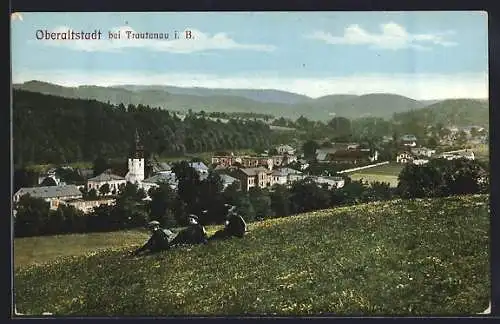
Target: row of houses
<point>421,156</point>
<point>261,177</point>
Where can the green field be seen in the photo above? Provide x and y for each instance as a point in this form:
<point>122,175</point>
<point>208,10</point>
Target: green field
<point>383,173</point>
<point>419,257</point>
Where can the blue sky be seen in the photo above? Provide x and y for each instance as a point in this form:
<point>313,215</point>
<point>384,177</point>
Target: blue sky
<point>424,55</point>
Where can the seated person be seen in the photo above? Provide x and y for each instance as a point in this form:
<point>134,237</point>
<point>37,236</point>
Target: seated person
<point>195,233</point>
<point>235,226</point>
<point>159,240</point>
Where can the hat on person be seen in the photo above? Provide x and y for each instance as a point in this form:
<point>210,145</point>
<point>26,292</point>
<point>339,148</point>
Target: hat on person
<point>193,219</point>
<point>153,224</point>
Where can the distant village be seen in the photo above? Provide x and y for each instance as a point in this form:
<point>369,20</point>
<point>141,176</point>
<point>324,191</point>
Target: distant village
<point>245,171</point>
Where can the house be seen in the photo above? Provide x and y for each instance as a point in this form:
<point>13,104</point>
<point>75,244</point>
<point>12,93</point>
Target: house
<point>227,180</point>
<point>409,140</point>
<point>286,176</point>
<point>285,149</point>
<point>254,177</point>
<point>323,153</point>
<point>200,167</point>
<point>404,157</point>
<point>422,151</point>
<point>223,160</point>
<point>154,181</point>
<point>114,182</point>
<point>331,182</point>
<point>161,167</point>
<point>87,206</point>
<point>465,154</point>
<point>420,161</point>
<point>51,194</point>
<point>386,139</point>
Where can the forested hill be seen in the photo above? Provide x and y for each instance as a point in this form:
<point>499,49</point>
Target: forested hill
<point>458,112</point>
<point>51,129</point>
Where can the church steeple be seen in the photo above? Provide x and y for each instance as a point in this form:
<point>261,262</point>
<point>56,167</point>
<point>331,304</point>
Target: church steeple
<point>139,149</point>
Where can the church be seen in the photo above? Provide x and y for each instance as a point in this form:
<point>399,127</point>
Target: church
<point>135,174</point>
<point>136,163</point>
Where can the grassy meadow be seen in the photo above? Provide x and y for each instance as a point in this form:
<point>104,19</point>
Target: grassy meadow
<point>383,173</point>
<point>414,257</point>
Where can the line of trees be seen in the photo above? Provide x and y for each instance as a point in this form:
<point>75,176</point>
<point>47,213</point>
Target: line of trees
<point>51,129</point>
<point>436,179</point>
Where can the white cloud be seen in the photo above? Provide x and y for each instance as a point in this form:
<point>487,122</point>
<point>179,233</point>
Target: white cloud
<point>417,86</point>
<point>392,36</point>
<point>199,42</point>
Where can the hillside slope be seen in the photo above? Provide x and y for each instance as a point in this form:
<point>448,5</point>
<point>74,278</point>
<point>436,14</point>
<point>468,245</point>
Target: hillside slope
<point>420,257</point>
<point>459,112</point>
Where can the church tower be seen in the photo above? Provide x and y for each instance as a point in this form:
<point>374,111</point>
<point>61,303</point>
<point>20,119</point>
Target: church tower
<point>136,162</point>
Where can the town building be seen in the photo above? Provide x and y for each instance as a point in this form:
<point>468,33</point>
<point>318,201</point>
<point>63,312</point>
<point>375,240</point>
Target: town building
<point>227,180</point>
<point>114,182</point>
<point>155,180</point>
<point>51,194</point>
<point>254,177</point>
<point>285,149</point>
<point>404,157</point>
<point>422,151</point>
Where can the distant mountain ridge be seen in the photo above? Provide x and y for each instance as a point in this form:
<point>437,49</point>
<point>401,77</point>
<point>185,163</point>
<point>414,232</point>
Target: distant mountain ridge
<point>264,95</point>
<point>273,102</point>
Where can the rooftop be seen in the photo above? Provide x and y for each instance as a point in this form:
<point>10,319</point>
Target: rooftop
<point>254,171</point>
<point>103,177</point>
<point>51,191</point>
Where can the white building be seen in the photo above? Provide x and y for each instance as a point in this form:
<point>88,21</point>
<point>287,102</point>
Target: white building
<point>420,161</point>
<point>282,149</point>
<point>331,182</point>
<point>114,182</point>
<point>404,157</point>
<point>227,180</point>
<point>423,151</point>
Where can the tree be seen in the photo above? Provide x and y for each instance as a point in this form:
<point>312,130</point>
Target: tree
<point>280,200</point>
<point>306,195</point>
<point>188,185</point>
<point>309,148</point>
<point>31,216</point>
<point>420,181</point>
<point>341,128</point>
<point>261,202</point>
<point>162,203</point>
<point>432,142</point>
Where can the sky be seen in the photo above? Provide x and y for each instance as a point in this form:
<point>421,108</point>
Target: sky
<point>422,55</point>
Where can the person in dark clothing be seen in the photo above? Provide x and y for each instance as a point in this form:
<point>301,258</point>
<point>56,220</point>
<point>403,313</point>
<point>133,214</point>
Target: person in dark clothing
<point>159,240</point>
<point>235,225</point>
<point>195,233</point>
